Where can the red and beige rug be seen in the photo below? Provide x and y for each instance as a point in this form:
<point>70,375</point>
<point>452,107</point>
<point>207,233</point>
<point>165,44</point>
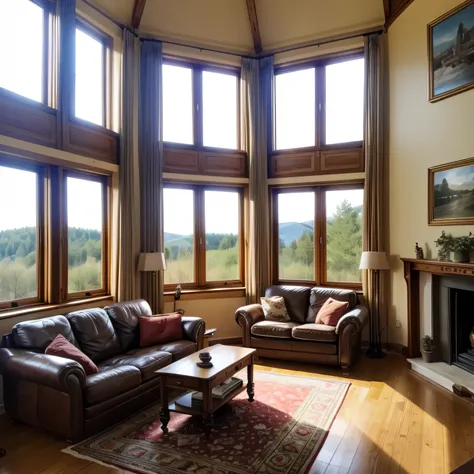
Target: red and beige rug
<point>281,432</point>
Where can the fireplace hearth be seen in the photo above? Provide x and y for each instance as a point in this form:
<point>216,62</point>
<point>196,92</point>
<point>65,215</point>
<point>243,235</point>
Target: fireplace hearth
<point>455,320</point>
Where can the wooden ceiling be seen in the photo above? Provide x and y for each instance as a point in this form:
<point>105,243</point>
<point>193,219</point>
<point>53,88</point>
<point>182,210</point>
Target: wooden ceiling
<point>251,26</point>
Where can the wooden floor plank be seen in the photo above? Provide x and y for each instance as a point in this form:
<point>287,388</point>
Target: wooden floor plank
<point>392,422</point>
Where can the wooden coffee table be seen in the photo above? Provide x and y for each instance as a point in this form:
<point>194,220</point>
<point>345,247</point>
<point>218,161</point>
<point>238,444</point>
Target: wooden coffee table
<point>185,374</point>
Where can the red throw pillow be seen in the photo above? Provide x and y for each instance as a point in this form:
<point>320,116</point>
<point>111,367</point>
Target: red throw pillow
<point>331,312</point>
<point>61,347</point>
<point>158,329</point>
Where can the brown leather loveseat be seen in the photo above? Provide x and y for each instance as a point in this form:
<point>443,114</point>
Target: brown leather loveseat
<point>54,393</point>
<point>301,339</point>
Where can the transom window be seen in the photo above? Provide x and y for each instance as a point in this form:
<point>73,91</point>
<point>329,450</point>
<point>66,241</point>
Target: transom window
<point>200,106</point>
<point>24,34</point>
<point>203,234</point>
<point>319,105</point>
<point>318,234</point>
<point>92,78</point>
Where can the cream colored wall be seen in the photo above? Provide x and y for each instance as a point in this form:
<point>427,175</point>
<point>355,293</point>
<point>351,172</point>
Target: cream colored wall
<point>218,313</point>
<point>421,135</point>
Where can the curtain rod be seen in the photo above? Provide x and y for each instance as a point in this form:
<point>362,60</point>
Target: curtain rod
<point>377,30</point>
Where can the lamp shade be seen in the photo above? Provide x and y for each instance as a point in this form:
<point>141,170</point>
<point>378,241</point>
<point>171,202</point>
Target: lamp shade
<point>373,261</point>
<point>151,262</point>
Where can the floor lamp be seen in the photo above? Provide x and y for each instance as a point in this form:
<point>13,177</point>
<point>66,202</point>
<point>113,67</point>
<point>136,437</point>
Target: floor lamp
<point>374,262</point>
<point>152,262</point>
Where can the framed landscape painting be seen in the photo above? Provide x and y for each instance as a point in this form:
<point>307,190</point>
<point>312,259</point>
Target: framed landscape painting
<point>451,52</point>
<point>451,193</point>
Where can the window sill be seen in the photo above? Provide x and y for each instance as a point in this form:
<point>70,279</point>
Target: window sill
<point>40,308</point>
<point>207,294</point>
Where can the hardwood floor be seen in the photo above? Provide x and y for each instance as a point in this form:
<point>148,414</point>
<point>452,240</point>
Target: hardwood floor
<point>392,421</point>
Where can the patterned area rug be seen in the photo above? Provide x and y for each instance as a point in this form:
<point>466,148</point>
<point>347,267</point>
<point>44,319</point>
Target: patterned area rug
<point>281,432</point>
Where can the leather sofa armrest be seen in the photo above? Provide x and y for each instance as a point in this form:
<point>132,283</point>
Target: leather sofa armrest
<point>193,329</point>
<point>43,369</point>
<point>358,316</point>
<point>246,317</point>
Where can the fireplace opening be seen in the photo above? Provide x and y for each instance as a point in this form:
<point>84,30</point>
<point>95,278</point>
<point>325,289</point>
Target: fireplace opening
<point>462,324</point>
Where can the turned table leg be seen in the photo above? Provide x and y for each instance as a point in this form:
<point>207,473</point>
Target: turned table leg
<point>250,384</point>
<point>164,410</point>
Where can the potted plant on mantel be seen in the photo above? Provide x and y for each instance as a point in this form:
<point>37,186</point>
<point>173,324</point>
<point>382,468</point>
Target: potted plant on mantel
<point>427,349</point>
<point>455,249</point>
<point>460,249</point>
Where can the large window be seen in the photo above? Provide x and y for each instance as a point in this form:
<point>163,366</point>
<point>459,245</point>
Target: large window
<point>19,231</point>
<point>91,75</point>
<point>319,105</point>
<point>53,234</point>
<point>203,236</point>
<point>23,55</point>
<point>200,106</point>
<point>318,234</point>
<point>86,248</point>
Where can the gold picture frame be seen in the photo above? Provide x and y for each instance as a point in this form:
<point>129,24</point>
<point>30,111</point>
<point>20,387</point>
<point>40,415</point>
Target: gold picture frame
<point>451,193</point>
<point>451,39</point>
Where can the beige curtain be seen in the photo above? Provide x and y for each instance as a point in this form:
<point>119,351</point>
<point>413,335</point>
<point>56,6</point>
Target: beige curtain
<point>151,167</point>
<point>256,96</point>
<point>129,196</point>
<point>376,168</point>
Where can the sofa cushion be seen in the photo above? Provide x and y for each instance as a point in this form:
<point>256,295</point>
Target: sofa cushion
<point>177,349</point>
<point>274,309</point>
<point>320,295</point>
<point>95,333</point>
<point>315,332</point>
<point>110,382</point>
<point>296,300</point>
<point>331,312</point>
<point>147,363</point>
<point>159,329</point>
<point>40,333</point>
<point>273,329</point>
<point>124,317</point>
<point>61,347</point>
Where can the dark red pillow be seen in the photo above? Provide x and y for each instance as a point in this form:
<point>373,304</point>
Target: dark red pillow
<point>331,312</point>
<point>158,329</point>
<point>61,347</point>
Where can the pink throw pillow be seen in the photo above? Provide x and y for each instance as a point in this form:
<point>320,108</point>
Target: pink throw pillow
<point>158,329</point>
<point>61,347</point>
<point>331,312</point>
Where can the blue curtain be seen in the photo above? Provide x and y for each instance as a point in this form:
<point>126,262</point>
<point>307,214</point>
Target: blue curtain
<point>67,60</point>
<point>151,166</point>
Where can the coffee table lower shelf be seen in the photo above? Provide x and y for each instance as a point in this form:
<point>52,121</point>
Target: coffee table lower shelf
<point>185,405</point>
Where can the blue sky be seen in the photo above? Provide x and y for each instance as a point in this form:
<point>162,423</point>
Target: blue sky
<point>447,29</point>
<point>460,175</point>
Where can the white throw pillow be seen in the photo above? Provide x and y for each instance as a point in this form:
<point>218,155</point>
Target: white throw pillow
<point>274,309</point>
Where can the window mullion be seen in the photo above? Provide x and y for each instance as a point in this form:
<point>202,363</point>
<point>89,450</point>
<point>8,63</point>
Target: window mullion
<point>197,109</point>
<point>320,106</point>
<point>200,254</point>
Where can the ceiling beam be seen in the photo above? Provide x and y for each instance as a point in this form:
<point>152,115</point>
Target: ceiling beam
<point>386,9</point>
<point>257,39</point>
<point>138,8</point>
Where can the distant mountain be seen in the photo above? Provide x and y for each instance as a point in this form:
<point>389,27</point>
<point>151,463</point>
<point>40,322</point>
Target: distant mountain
<point>169,236</point>
<point>442,47</point>
<point>468,186</point>
<point>290,231</point>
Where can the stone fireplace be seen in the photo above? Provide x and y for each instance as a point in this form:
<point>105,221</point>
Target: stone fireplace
<point>453,320</point>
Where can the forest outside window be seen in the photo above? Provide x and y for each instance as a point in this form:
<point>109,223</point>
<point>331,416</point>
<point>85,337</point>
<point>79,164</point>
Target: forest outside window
<point>319,235</point>
<point>20,229</point>
<point>24,34</point>
<point>86,198</point>
<point>92,74</point>
<point>200,105</point>
<point>203,228</point>
<point>319,105</point>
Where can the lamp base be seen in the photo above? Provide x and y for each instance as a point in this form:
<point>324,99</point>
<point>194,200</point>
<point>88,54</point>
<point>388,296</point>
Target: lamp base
<point>375,352</point>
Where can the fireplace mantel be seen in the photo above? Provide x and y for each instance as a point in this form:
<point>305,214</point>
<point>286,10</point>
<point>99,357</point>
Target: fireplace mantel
<point>412,269</point>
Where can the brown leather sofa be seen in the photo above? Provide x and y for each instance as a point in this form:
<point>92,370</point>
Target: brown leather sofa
<point>301,339</point>
<point>54,393</point>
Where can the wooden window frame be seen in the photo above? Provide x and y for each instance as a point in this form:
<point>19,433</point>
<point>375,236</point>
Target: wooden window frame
<point>105,185</point>
<point>197,68</point>
<point>40,218</point>
<point>107,46</point>
<point>319,234</point>
<point>319,66</point>
<point>200,282</point>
